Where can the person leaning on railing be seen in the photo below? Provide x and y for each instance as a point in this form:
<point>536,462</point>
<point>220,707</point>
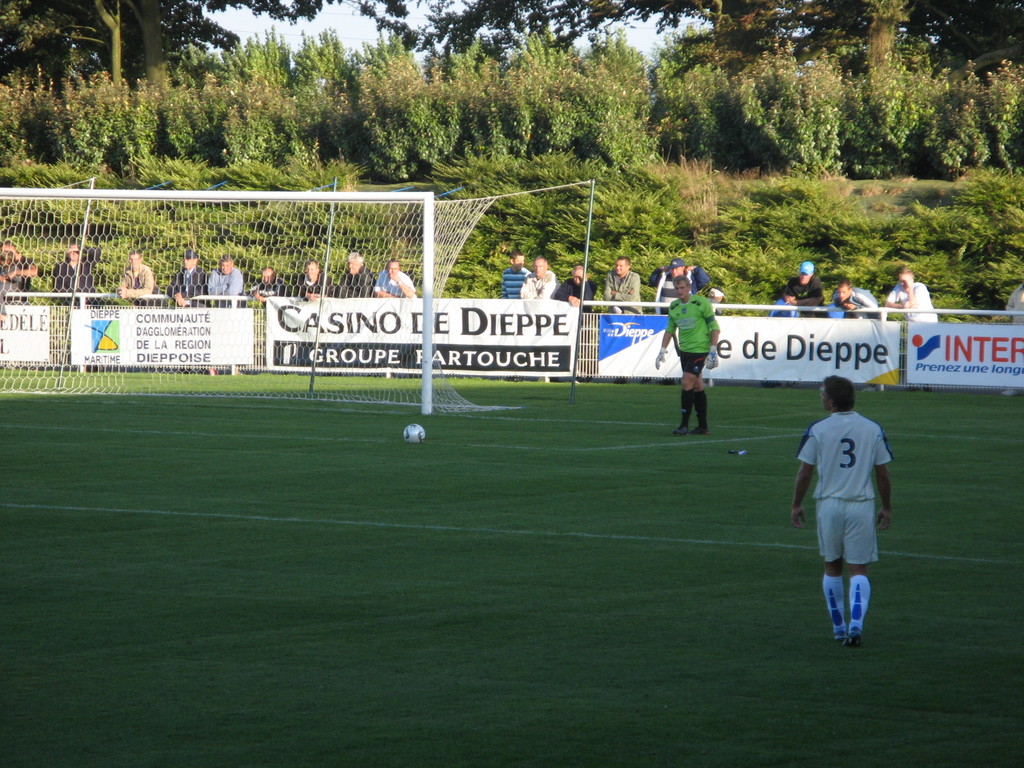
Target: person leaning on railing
<point>137,280</point>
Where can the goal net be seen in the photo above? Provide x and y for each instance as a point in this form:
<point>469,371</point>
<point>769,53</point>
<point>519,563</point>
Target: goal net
<point>120,291</point>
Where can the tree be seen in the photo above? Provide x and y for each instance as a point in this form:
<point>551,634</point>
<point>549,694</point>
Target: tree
<point>968,35</point>
<point>972,35</point>
<point>172,24</point>
<point>132,37</point>
<point>49,37</point>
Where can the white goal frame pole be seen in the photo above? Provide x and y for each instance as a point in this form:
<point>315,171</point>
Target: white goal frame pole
<point>214,196</point>
<point>426,375</point>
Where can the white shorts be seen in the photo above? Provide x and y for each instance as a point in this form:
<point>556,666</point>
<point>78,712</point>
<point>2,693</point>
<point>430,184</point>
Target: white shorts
<point>846,529</point>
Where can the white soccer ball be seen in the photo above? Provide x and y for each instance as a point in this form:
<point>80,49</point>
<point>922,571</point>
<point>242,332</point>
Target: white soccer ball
<point>414,433</point>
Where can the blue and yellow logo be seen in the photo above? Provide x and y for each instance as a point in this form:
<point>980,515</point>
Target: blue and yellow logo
<point>106,336</point>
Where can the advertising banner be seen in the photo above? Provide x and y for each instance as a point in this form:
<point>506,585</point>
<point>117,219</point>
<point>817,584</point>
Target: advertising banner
<point>164,338</point>
<point>971,355</point>
<point>760,349</point>
<point>25,334</point>
<point>480,336</point>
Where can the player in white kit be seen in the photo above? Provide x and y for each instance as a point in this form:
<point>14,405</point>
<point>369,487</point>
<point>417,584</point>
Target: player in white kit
<point>847,450</point>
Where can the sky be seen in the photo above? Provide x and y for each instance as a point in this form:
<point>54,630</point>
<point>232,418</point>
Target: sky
<point>355,30</point>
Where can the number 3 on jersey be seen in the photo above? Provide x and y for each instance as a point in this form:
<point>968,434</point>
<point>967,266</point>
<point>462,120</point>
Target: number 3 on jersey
<point>851,446</point>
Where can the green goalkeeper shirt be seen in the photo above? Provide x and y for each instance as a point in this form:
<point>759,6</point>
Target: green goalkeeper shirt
<point>692,323</point>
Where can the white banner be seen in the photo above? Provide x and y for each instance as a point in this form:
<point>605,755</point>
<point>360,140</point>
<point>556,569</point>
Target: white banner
<point>971,355</point>
<point>135,336</point>
<point>761,349</point>
<point>25,334</point>
<point>480,336</point>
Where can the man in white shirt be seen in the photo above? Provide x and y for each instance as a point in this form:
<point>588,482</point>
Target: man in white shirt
<point>394,283</point>
<point>908,294</point>
<point>846,448</point>
<point>541,283</point>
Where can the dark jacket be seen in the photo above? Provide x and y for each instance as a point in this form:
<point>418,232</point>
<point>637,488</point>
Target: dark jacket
<point>357,286</point>
<point>570,287</point>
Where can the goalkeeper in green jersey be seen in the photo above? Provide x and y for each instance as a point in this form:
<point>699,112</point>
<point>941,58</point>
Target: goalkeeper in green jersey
<point>692,324</point>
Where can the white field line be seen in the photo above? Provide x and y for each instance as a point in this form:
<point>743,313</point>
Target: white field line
<point>695,441</point>
<point>475,531</point>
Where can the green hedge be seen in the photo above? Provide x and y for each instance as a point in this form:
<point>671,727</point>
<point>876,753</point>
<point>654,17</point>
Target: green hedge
<point>966,243</point>
<point>398,118</point>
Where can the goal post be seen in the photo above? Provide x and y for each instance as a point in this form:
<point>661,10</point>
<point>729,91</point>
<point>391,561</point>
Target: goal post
<point>85,337</point>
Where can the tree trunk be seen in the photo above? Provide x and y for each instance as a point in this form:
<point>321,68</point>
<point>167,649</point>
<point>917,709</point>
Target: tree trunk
<point>112,21</point>
<point>886,16</point>
<point>147,12</point>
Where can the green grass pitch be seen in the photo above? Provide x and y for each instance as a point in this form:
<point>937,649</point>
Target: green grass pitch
<point>205,582</point>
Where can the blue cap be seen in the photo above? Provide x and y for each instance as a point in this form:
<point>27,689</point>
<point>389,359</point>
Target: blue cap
<point>675,263</point>
<point>807,268</point>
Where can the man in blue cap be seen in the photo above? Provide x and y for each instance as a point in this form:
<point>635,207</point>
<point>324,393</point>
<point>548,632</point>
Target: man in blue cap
<point>805,289</point>
<point>665,290</point>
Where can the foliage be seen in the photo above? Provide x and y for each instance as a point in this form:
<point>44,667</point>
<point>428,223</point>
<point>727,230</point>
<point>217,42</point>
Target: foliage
<point>699,116</point>
<point>793,115</point>
<point>1002,103</point>
<point>52,176</point>
<point>733,35</point>
<point>385,111</point>
<point>955,140</point>
<point>759,241</point>
<point>750,235</point>
<point>100,123</point>
<point>886,117</point>
<point>407,123</point>
<point>637,214</point>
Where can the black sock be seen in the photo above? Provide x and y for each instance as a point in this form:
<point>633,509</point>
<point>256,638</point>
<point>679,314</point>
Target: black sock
<point>686,406</point>
<point>700,405</point>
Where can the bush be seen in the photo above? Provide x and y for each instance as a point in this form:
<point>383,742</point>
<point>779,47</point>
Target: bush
<point>885,118</point>
<point>408,123</point>
<point>101,124</point>
<point>955,140</point>
<point>792,115</point>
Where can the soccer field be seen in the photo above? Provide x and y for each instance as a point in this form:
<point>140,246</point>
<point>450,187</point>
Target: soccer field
<point>233,582</point>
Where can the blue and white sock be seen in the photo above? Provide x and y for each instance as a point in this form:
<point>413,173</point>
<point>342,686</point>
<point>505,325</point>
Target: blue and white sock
<point>860,596</point>
<point>832,586</point>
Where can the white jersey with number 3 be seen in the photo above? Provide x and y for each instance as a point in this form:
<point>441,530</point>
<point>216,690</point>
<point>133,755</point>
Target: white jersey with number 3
<point>845,448</point>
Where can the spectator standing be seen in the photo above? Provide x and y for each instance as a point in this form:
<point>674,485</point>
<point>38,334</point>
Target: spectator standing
<point>358,281</point>
<point>270,285</point>
<point>73,275</point>
<point>226,280</point>
<point>846,448</point>
<point>137,281</point>
<point>514,276</point>
<point>576,289</point>
<point>314,283</point>
<point>665,290</point>
<point>804,290</point>
<point>541,283</point>
<point>694,330</point>
<point>848,299</point>
<point>394,283</point>
<point>622,284</point>
<point>910,294</point>
<point>189,282</point>
<point>16,271</point>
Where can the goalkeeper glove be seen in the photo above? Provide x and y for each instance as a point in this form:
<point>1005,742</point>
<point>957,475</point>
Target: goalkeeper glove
<point>712,361</point>
<point>660,359</point>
